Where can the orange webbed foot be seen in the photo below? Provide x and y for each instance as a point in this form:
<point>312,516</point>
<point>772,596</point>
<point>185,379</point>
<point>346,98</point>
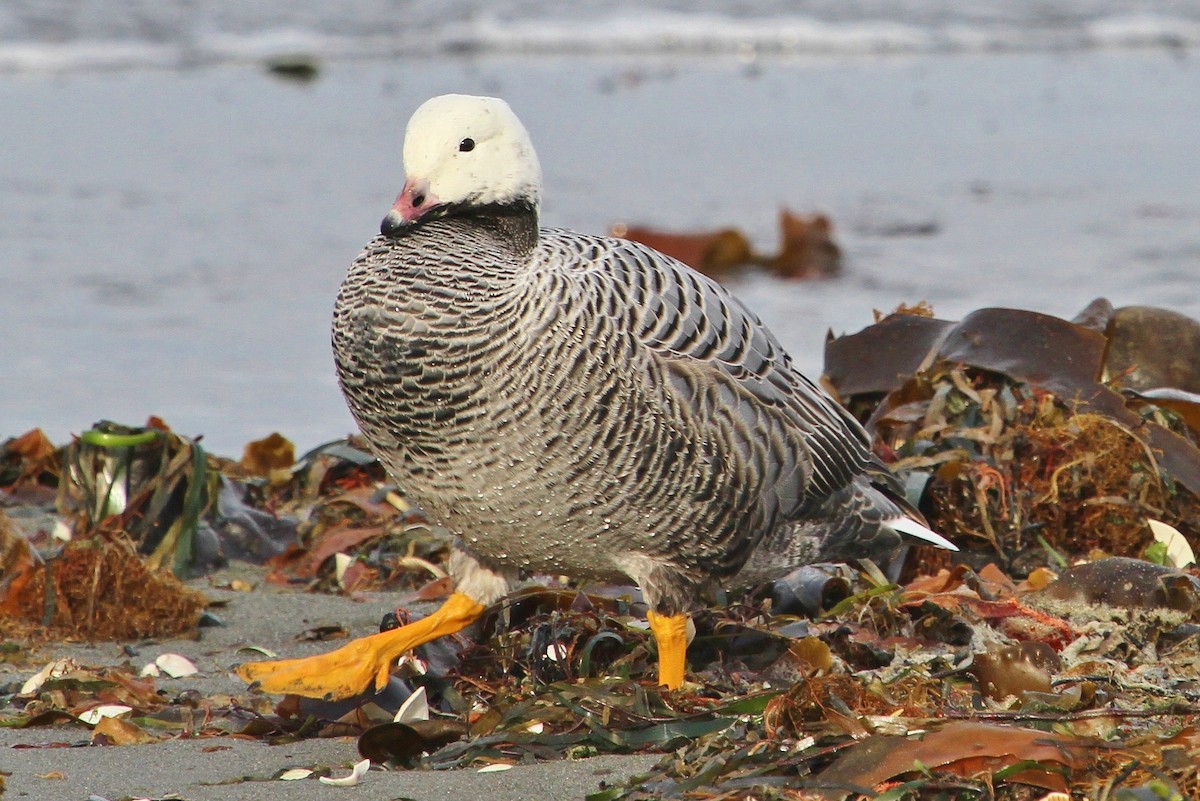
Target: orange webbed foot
<point>360,665</point>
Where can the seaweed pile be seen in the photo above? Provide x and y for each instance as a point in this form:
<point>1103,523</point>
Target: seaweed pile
<point>1057,657</point>
<point>1028,438</point>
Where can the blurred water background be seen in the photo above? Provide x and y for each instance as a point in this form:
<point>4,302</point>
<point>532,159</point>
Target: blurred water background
<point>175,217</point>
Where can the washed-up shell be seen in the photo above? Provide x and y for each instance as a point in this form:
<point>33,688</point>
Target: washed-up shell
<point>97,713</point>
<point>53,670</point>
<point>1179,551</point>
<point>415,707</point>
<point>175,665</point>
<point>61,532</point>
<point>356,774</point>
<point>495,768</point>
<point>294,774</point>
<point>258,649</point>
<point>341,561</point>
<point>556,652</point>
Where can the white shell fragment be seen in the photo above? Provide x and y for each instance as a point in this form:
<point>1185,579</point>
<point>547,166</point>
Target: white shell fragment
<point>150,670</point>
<point>98,713</point>
<point>537,727</point>
<point>258,649</point>
<point>341,561</point>
<point>293,774</point>
<point>1178,550</point>
<point>417,663</point>
<point>61,531</point>
<point>495,768</point>
<point>175,666</point>
<point>53,670</point>
<point>415,707</point>
<point>356,774</point>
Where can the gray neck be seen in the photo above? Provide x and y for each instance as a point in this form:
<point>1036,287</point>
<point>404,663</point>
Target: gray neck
<point>515,224</point>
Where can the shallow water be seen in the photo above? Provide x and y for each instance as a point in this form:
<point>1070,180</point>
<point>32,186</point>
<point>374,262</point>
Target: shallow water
<point>171,240</point>
<point>89,34</point>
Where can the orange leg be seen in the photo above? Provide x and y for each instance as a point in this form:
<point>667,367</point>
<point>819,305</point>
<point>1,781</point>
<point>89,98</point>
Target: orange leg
<point>361,664</point>
<point>670,634</point>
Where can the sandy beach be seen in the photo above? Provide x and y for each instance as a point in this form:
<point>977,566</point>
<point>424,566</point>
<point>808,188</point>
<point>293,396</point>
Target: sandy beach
<point>225,769</point>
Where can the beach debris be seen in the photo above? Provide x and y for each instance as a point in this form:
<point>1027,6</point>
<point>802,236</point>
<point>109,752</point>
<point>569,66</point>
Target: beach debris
<point>1021,449</point>
<point>1151,348</point>
<point>965,748</point>
<point>20,563</point>
<point>356,773</point>
<point>273,455</point>
<point>323,633</point>
<point>1012,670</point>
<point>1060,656</point>
<point>1177,551</point>
<point>714,253</point>
<point>52,670</point>
<point>30,468</point>
<point>341,564</point>
<point>175,666</point>
<point>299,68</point>
<point>294,774</point>
<point>415,707</point>
<point>116,730</point>
<point>143,481</point>
<point>257,650</point>
<point>811,589</point>
<point>183,509</point>
<point>131,502</point>
<point>1127,583</point>
<point>102,588</point>
<point>96,713</point>
<point>807,248</point>
<point>403,745</point>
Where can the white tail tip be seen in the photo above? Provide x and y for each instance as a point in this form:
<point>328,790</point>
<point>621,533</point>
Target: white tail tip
<point>906,525</point>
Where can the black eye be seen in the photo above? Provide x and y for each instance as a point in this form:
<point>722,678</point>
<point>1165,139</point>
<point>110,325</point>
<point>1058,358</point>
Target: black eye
<point>466,145</point>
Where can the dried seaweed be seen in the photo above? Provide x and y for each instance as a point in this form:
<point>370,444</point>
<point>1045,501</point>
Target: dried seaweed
<point>101,590</point>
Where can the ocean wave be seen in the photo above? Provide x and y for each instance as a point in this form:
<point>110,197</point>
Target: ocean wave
<point>627,33</point>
